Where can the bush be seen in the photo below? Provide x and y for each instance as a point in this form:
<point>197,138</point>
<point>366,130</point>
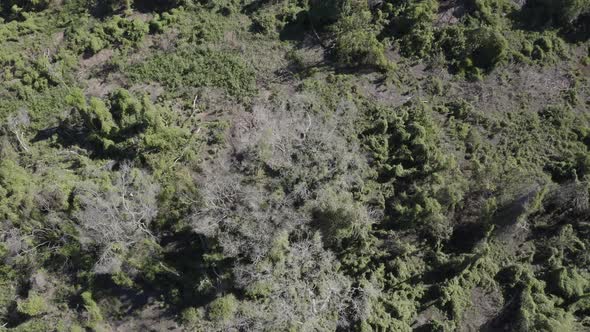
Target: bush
<point>125,126</point>
<point>93,313</point>
<point>470,50</point>
<point>9,8</point>
<point>538,312</point>
<point>356,41</point>
<point>490,47</point>
<point>568,283</point>
<point>360,48</point>
<point>324,12</point>
<point>223,308</point>
<point>196,67</point>
<point>34,305</point>
<point>554,12</point>
<point>116,31</point>
<point>412,23</point>
<point>342,221</point>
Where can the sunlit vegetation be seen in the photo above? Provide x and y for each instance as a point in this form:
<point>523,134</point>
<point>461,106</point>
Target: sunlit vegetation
<point>294,165</point>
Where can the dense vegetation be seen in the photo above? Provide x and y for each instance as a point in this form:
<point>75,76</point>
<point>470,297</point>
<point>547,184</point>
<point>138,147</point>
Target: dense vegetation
<point>295,165</point>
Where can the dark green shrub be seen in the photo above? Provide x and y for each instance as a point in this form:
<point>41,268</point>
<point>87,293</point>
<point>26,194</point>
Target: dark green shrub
<point>559,13</point>
<point>11,8</point>
<point>360,48</point>
<point>324,12</point>
<point>126,125</point>
<point>356,42</point>
<point>412,14</point>
<point>116,31</point>
<point>93,312</point>
<point>469,50</point>
<point>161,21</point>
<point>489,11</point>
<point>490,47</point>
<point>412,23</point>
<point>568,283</point>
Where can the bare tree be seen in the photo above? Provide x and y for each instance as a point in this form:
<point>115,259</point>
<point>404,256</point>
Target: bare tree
<point>117,218</point>
<point>305,290</point>
<point>283,158</point>
<point>15,123</point>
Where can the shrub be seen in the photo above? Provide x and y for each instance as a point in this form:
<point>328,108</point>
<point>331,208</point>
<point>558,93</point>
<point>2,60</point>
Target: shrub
<point>490,48</point>
<point>116,31</point>
<point>356,41</point>
<point>360,48</point>
<point>412,23</point>
<point>196,67</point>
<point>324,12</point>
<point>413,14</point>
<point>568,283</point>
<point>538,312</point>
<point>192,316</point>
<point>554,12</point>
<point>277,18</point>
<point>469,50</point>
<point>8,8</point>
<point>126,126</point>
<point>93,313</point>
<point>418,42</point>
<point>223,308</point>
<point>489,11</point>
<point>34,305</point>
<point>342,220</point>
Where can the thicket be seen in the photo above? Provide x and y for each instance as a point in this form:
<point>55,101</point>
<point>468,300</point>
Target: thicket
<point>294,165</point>
<point>125,127</point>
<point>544,13</point>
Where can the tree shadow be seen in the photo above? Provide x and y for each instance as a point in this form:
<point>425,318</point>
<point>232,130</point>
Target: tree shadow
<point>537,19</point>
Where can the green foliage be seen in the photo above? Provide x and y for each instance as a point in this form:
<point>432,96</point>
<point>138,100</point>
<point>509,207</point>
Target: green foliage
<point>91,37</point>
<point>274,19</point>
<point>540,312</point>
<point>34,305</point>
<point>470,51</point>
<point>15,190</point>
<point>360,48</point>
<point>404,146</point>
<point>93,312</point>
<point>355,42</point>
<point>223,308</point>
<point>568,283</point>
<point>160,21</point>
<point>490,48</point>
<point>490,11</point>
<point>126,125</point>
<point>245,192</point>
<point>327,12</point>
<point>555,12</point>
<point>413,23</point>
<point>196,67</point>
<point>192,317</point>
<point>343,221</point>
<point>11,8</point>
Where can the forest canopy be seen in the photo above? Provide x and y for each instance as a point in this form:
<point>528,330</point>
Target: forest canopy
<point>294,165</point>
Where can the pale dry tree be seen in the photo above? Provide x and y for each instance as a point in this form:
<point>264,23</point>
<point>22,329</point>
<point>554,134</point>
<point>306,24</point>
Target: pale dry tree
<point>241,217</point>
<point>116,218</point>
<point>15,124</point>
<point>304,290</point>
